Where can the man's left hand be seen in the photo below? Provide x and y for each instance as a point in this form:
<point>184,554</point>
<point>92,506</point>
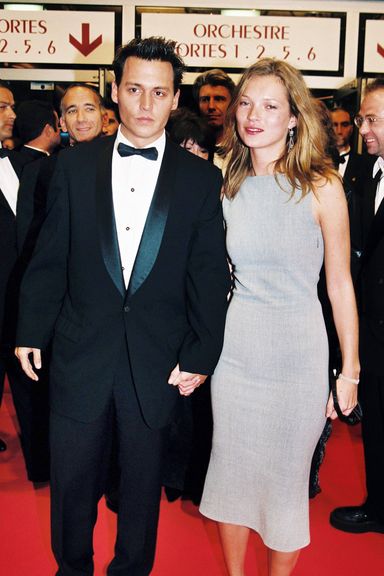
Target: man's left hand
<point>186,381</point>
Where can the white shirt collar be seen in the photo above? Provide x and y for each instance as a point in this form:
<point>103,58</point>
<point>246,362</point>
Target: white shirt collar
<point>378,165</point>
<point>346,151</point>
<point>37,149</point>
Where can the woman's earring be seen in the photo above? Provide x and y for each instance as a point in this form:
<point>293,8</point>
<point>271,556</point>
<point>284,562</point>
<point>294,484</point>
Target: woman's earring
<point>291,141</point>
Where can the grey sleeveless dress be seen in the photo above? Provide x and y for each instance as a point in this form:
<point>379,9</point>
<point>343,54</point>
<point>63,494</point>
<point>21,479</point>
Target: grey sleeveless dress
<point>270,388</point>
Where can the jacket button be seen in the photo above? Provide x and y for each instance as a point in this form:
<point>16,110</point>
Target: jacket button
<point>126,308</point>
<point>381,280</point>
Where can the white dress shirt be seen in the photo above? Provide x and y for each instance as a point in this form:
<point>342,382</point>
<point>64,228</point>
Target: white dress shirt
<point>134,179</point>
<point>9,183</point>
<point>379,165</point>
<point>343,165</point>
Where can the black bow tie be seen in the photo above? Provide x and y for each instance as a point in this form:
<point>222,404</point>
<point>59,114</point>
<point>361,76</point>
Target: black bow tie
<point>343,157</point>
<point>148,153</point>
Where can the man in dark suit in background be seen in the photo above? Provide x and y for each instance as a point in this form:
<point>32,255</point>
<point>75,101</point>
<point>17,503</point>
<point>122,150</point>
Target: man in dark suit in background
<point>111,118</point>
<point>130,278</point>
<point>82,118</point>
<point>350,163</point>
<point>38,127</point>
<point>81,113</point>
<point>367,231</point>
<point>8,198</point>
<point>212,92</point>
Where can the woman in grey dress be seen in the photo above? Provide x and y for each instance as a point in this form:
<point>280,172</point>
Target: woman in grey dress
<point>285,211</point>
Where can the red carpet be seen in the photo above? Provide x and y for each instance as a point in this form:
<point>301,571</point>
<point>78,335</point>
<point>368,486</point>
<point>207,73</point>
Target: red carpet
<point>188,544</point>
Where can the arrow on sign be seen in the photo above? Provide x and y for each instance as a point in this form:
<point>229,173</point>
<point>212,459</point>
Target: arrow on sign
<point>85,46</point>
<point>380,50</point>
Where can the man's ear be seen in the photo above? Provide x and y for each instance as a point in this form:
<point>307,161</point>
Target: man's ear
<point>47,130</point>
<point>63,124</point>
<point>175,100</point>
<point>114,92</point>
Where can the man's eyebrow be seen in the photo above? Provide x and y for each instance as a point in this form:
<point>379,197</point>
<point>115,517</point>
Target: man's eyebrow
<point>138,85</point>
<point>77,105</point>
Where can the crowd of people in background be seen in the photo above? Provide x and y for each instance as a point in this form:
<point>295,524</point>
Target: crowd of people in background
<point>99,288</point>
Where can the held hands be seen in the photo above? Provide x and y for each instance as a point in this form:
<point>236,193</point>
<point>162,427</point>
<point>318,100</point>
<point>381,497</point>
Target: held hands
<point>347,397</point>
<point>186,381</point>
<point>23,356</point>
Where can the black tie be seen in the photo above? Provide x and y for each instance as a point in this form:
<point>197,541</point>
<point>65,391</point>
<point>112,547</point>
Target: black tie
<point>343,157</point>
<point>378,176</point>
<point>148,153</point>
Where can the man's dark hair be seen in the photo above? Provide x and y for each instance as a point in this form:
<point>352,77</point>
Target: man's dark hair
<point>81,85</point>
<point>342,109</point>
<point>4,84</point>
<point>108,104</point>
<point>153,48</point>
<point>32,117</point>
<point>377,84</point>
<point>183,124</point>
<point>214,77</point>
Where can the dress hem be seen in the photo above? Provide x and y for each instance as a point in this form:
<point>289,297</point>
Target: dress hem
<point>255,529</point>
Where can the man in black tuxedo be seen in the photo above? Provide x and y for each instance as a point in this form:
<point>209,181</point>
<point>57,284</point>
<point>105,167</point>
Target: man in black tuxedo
<point>82,117</point>
<point>130,278</point>
<point>367,229</point>
<point>31,123</point>
<point>350,163</point>
<point>7,222</point>
<point>38,126</point>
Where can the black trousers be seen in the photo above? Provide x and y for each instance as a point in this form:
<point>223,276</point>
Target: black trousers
<point>80,454</point>
<point>371,389</point>
<point>31,401</point>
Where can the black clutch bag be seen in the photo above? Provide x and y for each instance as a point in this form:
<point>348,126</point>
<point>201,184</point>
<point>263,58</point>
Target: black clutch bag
<point>354,417</point>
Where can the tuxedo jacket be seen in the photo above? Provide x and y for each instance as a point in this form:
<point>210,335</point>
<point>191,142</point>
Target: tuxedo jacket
<point>367,231</point>
<point>24,155</point>
<point>10,267</point>
<point>32,200</point>
<point>354,169</point>
<point>174,308</point>
<point>8,248</point>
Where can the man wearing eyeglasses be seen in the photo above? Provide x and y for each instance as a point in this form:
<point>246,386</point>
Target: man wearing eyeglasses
<point>367,225</point>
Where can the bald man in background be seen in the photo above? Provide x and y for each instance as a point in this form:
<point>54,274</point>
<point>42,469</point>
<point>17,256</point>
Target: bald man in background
<point>82,113</point>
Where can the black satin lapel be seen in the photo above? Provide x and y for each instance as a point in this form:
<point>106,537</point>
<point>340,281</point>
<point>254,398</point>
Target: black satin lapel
<point>368,208</point>
<point>155,224</point>
<point>5,204</point>
<point>106,217</point>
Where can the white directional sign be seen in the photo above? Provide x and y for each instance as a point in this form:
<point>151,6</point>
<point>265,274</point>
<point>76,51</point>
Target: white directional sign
<point>311,43</point>
<point>52,36</point>
<point>374,47</point>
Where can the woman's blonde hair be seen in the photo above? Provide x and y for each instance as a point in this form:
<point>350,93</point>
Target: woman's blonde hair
<point>306,163</point>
